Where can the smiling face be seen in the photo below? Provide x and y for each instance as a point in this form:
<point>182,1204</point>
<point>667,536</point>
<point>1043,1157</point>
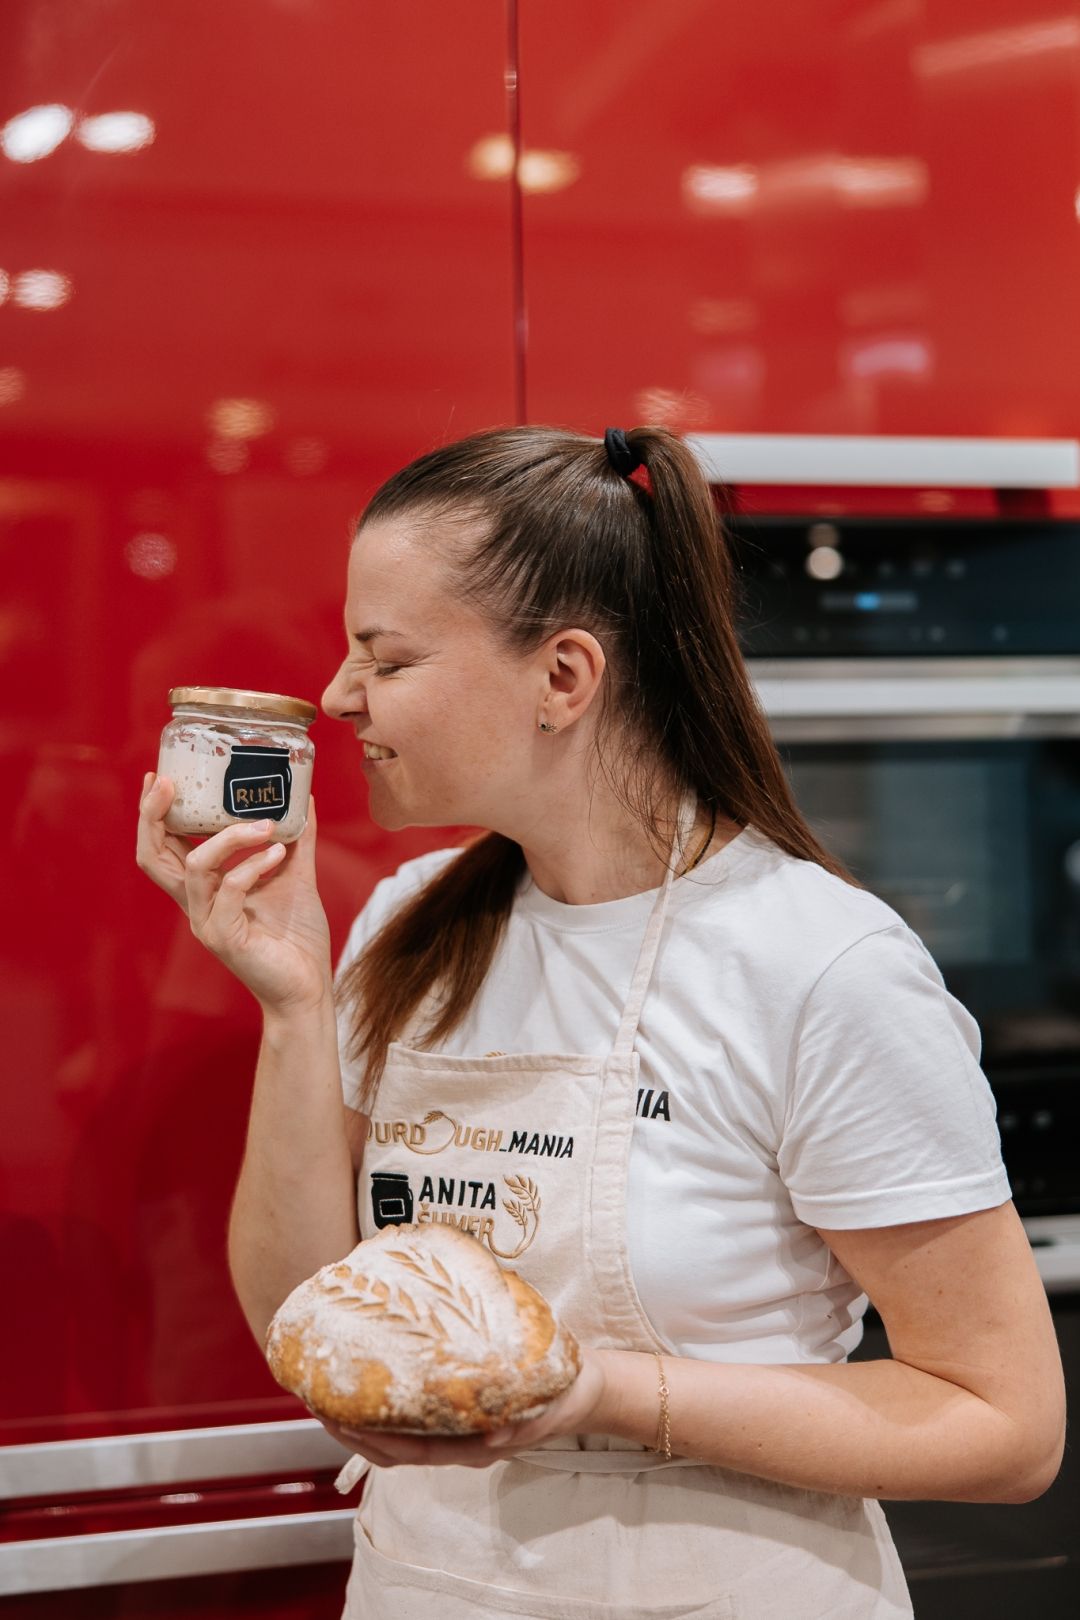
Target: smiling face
<point>429,681</point>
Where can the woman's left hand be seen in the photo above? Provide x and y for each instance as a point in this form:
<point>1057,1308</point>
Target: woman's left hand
<point>575,1411</point>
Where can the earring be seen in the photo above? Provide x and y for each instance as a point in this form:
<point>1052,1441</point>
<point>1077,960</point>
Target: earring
<point>545,726</point>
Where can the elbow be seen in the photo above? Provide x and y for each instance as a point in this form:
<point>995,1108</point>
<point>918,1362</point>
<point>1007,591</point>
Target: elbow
<point>1030,1474</point>
<point>1029,1486</point>
<point>1030,1491</point>
<point>1043,1462</point>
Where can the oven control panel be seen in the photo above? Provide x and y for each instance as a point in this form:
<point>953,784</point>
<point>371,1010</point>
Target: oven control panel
<point>890,587</point>
<point>1039,1122</point>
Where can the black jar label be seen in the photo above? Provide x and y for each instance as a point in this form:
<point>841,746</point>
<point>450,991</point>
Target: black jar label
<point>258,782</point>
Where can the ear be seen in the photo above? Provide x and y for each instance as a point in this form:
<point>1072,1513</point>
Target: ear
<point>572,665</point>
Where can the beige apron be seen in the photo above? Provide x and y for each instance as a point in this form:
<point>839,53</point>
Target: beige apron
<point>530,1153</point>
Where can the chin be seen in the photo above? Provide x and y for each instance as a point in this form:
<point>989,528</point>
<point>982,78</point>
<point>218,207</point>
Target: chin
<point>389,819</point>
<point>393,817</point>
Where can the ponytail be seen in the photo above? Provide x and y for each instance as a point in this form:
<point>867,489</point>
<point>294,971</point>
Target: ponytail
<point>639,559</point>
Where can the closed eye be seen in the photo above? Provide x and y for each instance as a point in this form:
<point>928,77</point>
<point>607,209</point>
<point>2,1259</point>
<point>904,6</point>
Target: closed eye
<point>372,666</point>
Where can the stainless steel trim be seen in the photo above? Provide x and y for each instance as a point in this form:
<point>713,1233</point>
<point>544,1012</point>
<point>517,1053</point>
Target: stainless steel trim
<point>120,1461</point>
<point>56,1564</point>
<point>970,700</point>
<point>887,459</point>
<point>916,728</point>
<point>915,669</point>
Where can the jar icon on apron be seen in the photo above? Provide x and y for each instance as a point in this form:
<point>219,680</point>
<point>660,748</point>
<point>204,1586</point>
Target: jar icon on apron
<point>391,1198</point>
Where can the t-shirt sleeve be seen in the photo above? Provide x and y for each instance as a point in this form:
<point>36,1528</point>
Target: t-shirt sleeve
<point>890,1118</point>
<point>387,896</point>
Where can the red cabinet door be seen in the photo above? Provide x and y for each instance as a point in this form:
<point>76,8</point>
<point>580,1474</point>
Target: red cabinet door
<point>248,269</point>
<point>849,218</point>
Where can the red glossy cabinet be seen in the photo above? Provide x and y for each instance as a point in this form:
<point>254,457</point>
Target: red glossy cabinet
<point>838,218</point>
<point>247,269</point>
<point>256,256</point>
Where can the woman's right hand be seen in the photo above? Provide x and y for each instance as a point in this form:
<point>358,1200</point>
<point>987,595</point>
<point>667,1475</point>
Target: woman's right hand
<point>254,905</point>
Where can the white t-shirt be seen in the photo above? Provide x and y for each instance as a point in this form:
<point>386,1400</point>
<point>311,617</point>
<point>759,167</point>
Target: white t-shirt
<point>801,1065</point>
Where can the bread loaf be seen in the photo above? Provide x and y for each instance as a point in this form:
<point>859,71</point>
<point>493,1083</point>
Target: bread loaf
<point>420,1329</point>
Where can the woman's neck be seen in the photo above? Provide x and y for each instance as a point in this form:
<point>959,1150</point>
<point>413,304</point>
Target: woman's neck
<point>587,858</point>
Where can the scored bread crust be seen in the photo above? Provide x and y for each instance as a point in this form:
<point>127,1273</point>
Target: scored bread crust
<point>421,1330</point>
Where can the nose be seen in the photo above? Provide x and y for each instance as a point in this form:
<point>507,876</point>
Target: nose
<point>344,697</point>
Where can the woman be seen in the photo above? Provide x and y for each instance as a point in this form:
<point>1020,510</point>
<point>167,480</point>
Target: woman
<point>652,1045</point>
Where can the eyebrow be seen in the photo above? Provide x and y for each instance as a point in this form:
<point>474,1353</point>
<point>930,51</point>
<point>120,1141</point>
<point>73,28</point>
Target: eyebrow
<point>374,630</point>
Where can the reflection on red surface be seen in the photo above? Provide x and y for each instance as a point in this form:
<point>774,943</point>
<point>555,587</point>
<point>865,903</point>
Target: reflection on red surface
<point>193,1502</point>
<point>298,273</point>
<point>313,1592</point>
<point>293,287</point>
<point>772,219</point>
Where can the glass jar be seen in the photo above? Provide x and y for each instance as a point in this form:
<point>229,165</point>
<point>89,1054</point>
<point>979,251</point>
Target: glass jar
<point>236,756</point>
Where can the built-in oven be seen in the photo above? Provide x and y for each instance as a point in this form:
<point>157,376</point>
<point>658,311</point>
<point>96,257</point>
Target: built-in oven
<point>923,685</point>
<point>968,823</point>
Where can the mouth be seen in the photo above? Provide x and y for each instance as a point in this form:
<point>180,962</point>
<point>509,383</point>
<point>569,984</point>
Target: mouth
<point>375,752</point>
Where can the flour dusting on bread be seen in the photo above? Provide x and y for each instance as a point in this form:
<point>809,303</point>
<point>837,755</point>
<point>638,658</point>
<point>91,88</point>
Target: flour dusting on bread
<point>420,1329</point>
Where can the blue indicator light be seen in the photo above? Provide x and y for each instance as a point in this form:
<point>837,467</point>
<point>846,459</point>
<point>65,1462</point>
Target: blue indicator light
<point>867,600</point>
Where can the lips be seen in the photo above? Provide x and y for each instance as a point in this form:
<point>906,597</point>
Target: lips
<point>376,751</point>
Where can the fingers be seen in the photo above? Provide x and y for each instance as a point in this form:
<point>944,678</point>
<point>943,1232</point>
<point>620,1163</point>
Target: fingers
<point>392,1449</point>
<point>501,1437</point>
<point>159,853</point>
<point>215,898</point>
<point>364,1444</point>
<point>376,1454</point>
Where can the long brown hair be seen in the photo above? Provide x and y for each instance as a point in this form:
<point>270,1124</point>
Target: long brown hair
<point>559,538</point>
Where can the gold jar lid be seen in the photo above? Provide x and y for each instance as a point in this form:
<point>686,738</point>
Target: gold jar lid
<point>236,697</point>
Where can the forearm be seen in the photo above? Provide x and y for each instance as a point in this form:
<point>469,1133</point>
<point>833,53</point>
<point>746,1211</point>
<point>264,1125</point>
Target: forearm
<point>295,1203</point>
<point>878,1429</point>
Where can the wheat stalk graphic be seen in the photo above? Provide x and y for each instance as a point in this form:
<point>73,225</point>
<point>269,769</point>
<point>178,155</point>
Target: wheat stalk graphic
<point>524,1204</point>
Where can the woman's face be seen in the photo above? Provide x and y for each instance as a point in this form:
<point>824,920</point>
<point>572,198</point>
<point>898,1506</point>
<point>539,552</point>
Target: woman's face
<point>424,677</point>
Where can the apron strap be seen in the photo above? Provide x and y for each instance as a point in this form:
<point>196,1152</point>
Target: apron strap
<point>602,1462</point>
<point>352,1473</point>
<point>557,1460</point>
<point>650,945</point>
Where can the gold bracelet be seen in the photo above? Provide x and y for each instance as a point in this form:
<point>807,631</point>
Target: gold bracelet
<point>663,1427</point>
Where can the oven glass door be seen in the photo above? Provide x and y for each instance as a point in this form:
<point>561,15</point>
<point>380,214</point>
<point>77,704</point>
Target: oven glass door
<point>976,843</point>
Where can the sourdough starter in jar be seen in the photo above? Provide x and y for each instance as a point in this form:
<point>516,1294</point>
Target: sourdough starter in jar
<point>236,756</point>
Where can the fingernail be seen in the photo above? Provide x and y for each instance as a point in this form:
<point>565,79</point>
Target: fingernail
<point>498,1437</point>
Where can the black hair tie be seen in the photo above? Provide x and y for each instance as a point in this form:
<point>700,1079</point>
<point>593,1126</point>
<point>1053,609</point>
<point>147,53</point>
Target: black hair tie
<point>621,454</point>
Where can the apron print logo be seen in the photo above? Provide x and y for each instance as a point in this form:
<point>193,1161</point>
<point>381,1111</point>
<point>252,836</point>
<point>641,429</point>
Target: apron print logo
<point>526,1204</point>
<point>393,1203</point>
<point>391,1199</point>
<point>481,1138</point>
<point>417,1139</point>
